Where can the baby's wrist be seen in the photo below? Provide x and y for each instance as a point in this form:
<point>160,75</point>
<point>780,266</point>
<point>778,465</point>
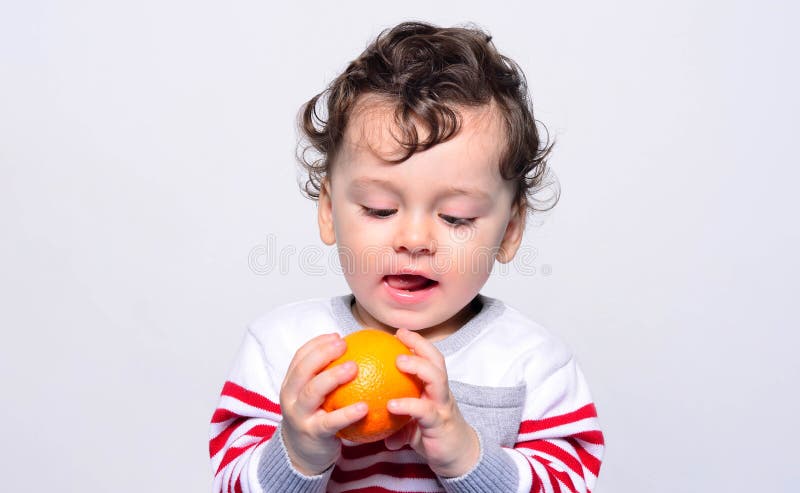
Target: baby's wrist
<point>304,467</point>
<point>467,458</point>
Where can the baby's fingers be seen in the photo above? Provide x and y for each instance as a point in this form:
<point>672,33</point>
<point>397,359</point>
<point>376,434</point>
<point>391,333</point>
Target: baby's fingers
<point>421,347</point>
<point>310,346</point>
<point>313,393</point>
<point>309,360</point>
<point>422,410</point>
<point>330,423</point>
<point>434,378</point>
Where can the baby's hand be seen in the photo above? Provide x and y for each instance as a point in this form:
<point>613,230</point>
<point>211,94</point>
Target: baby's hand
<point>308,431</point>
<point>439,432</point>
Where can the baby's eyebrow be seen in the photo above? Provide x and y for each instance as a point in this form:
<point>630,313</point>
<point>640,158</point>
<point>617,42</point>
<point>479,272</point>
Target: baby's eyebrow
<point>365,183</point>
<point>368,182</point>
<point>469,192</point>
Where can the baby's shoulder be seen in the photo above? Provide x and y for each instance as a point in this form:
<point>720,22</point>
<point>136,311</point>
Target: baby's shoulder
<point>511,348</point>
<point>528,337</point>
<point>302,315</point>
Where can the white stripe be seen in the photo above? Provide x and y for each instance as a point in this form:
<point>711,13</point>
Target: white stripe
<point>594,449</point>
<point>562,431</point>
<point>246,460</point>
<point>541,474</point>
<point>224,478</point>
<point>390,483</point>
<point>235,467</point>
<point>216,485</point>
<point>558,465</point>
<point>217,428</point>
<point>250,482</point>
<point>241,430</point>
<point>591,479</point>
<point>244,440</point>
<point>243,409</point>
<point>565,488</point>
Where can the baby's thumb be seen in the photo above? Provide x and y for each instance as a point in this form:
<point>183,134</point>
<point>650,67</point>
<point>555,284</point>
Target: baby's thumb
<point>399,438</point>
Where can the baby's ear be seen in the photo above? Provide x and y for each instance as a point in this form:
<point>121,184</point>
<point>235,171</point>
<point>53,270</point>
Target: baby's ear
<point>514,230</point>
<point>325,214</point>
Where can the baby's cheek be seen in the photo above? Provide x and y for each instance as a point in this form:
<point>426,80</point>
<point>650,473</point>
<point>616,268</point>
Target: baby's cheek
<point>475,263</point>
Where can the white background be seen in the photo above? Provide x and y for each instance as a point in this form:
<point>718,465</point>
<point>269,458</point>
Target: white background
<point>146,148</point>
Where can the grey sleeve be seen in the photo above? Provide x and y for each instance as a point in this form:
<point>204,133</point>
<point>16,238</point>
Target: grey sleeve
<point>276,473</point>
<point>495,471</point>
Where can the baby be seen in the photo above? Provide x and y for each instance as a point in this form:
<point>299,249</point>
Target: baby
<point>429,159</point>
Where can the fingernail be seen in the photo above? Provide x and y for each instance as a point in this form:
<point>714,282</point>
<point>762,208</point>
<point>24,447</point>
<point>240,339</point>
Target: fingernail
<point>346,367</point>
<point>361,407</point>
<point>393,404</point>
<point>402,359</point>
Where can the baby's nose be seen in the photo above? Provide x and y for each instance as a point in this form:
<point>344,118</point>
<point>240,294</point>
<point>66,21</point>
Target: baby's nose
<point>415,235</point>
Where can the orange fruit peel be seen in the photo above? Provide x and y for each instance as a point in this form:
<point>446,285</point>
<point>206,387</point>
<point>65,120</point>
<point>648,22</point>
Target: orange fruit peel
<point>377,382</point>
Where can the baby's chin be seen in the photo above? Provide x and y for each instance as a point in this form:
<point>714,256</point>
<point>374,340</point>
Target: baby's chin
<point>431,327</point>
<point>391,321</point>
<point>392,324</point>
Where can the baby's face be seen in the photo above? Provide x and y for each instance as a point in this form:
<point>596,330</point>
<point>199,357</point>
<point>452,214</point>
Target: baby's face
<point>417,240</point>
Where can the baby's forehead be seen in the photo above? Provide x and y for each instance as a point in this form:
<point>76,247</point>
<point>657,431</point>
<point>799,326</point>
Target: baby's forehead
<point>370,152</point>
<point>375,126</point>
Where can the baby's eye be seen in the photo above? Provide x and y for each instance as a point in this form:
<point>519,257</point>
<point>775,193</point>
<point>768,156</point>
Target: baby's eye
<point>369,211</point>
<point>457,221</point>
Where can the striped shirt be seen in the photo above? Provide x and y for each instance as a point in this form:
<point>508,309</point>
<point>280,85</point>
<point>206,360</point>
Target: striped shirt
<point>515,383</point>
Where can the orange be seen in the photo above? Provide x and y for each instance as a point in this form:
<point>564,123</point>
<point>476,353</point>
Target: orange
<point>378,380</point>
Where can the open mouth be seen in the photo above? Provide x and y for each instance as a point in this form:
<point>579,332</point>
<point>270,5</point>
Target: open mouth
<point>409,282</point>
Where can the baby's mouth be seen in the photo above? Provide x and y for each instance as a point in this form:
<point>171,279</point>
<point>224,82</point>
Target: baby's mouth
<point>409,282</point>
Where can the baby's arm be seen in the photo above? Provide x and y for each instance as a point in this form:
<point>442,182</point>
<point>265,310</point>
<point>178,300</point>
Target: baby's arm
<point>246,417</point>
<point>559,445</point>
<point>247,449</point>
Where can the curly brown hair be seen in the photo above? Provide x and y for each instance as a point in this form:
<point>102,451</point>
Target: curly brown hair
<point>426,72</point>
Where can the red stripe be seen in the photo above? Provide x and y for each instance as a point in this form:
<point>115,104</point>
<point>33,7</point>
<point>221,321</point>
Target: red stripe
<point>564,478</point>
<point>234,452</point>
<point>595,437</point>
<point>221,415</point>
<point>216,443</point>
<point>393,469</point>
<point>589,461</point>
<point>550,448</point>
<point>529,426</point>
<point>557,478</point>
<point>553,479</point>
<point>237,488</point>
<point>536,483</point>
<point>263,431</point>
<point>231,454</point>
<point>250,398</point>
<point>553,474</point>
